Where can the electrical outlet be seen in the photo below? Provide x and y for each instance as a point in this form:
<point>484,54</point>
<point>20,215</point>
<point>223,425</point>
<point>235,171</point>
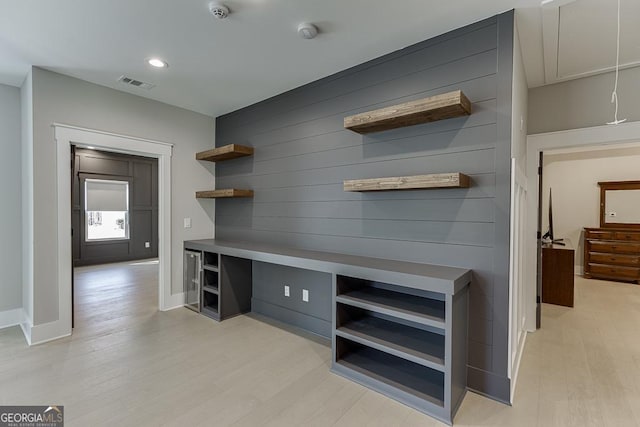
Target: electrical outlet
<point>187,223</point>
<point>287,291</point>
<point>305,295</point>
<point>147,244</point>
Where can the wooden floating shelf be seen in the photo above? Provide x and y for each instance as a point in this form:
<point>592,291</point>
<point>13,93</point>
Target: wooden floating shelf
<point>226,193</point>
<point>417,182</point>
<point>439,107</point>
<point>227,152</point>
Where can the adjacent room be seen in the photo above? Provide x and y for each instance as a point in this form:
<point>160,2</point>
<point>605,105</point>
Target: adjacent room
<point>328,213</point>
<point>114,222</point>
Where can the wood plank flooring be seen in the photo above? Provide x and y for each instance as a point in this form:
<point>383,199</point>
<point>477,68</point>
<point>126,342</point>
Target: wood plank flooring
<point>129,365</point>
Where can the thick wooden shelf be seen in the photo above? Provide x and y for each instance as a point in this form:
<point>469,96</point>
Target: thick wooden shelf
<point>417,182</point>
<point>226,152</point>
<point>226,193</point>
<point>439,107</point>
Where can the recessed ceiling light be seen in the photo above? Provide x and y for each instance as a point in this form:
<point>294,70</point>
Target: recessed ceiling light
<point>91,148</point>
<point>157,62</point>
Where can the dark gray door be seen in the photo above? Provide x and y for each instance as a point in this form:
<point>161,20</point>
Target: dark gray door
<point>539,247</point>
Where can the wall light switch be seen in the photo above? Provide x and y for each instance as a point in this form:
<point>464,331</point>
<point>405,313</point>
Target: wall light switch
<point>187,223</point>
<point>287,292</point>
<point>305,295</point>
<point>147,244</point>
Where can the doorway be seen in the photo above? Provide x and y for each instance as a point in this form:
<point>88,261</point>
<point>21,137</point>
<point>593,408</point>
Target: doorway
<point>114,222</point>
<point>65,136</point>
<point>600,137</point>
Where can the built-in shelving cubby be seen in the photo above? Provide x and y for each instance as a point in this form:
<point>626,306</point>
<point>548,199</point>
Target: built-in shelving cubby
<point>439,107</point>
<point>416,182</point>
<point>227,152</point>
<point>405,341</point>
<point>210,277</point>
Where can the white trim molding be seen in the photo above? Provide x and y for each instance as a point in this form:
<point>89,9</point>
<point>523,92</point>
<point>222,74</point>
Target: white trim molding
<point>625,133</point>
<point>551,31</point>
<point>10,318</point>
<point>65,136</point>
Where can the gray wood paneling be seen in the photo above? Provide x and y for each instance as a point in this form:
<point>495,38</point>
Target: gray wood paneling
<point>142,173</point>
<point>447,210</point>
<point>302,155</point>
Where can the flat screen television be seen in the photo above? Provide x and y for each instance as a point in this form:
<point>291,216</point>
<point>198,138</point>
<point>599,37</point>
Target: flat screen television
<point>549,236</point>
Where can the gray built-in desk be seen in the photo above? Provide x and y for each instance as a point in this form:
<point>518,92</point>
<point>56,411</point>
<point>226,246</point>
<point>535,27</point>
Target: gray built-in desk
<point>397,327</point>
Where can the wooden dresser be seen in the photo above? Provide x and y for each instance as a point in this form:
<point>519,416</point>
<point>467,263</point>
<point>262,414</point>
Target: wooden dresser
<point>612,253</point>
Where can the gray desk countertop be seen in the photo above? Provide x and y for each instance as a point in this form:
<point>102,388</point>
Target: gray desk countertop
<point>435,278</point>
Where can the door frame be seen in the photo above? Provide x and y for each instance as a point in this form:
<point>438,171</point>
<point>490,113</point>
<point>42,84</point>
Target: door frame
<point>67,135</point>
<point>598,135</point>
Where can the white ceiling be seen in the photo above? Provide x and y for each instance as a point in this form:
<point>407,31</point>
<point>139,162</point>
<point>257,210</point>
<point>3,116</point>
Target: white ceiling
<point>577,39</point>
<point>217,66</point>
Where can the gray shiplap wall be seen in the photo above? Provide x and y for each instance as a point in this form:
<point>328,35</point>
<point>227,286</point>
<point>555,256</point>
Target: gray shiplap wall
<point>302,155</point>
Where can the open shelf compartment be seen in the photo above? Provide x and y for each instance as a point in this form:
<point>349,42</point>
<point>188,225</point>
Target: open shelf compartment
<point>210,281</point>
<point>396,301</point>
<point>408,377</point>
<point>408,340</point>
<point>210,305</point>
<point>210,259</point>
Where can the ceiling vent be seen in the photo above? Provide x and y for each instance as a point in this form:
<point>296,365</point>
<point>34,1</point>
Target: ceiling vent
<point>137,83</point>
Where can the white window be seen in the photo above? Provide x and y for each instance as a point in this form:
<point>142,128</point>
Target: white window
<point>106,206</point>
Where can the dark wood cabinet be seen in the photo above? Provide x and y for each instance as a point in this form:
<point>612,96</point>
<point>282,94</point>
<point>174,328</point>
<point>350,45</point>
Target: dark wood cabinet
<point>557,274</point>
<point>612,254</point>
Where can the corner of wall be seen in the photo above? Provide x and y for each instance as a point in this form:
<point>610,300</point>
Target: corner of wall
<point>26,100</point>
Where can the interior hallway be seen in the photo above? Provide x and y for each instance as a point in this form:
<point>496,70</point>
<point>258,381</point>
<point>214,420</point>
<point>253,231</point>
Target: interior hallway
<point>128,364</point>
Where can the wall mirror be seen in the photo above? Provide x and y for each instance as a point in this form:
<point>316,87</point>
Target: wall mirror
<point>620,204</point>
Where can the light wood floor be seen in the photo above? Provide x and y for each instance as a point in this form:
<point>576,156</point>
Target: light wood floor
<point>128,364</point>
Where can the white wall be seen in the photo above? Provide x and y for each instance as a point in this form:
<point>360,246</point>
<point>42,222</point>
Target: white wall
<point>11,203</point>
<point>573,178</point>
<point>519,105</point>
<point>26,100</point>
<point>62,99</point>
<point>583,102</point>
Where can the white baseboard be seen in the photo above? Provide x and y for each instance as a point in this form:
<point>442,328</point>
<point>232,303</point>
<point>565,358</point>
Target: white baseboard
<point>516,367</point>
<point>26,329</point>
<point>49,331</point>
<point>10,318</point>
<point>173,301</point>
<point>577,270</point>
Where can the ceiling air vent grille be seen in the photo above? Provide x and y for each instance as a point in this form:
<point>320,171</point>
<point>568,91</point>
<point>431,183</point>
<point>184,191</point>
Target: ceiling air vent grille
<point>137,83</point>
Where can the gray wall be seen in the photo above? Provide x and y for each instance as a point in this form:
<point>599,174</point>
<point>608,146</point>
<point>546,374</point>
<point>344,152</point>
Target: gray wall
<point>584,102</point>
<point>143,206</point>
<point>302,155</point>
<point>10,189</point>
<point>268,296</point>
<point>63,99</point>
